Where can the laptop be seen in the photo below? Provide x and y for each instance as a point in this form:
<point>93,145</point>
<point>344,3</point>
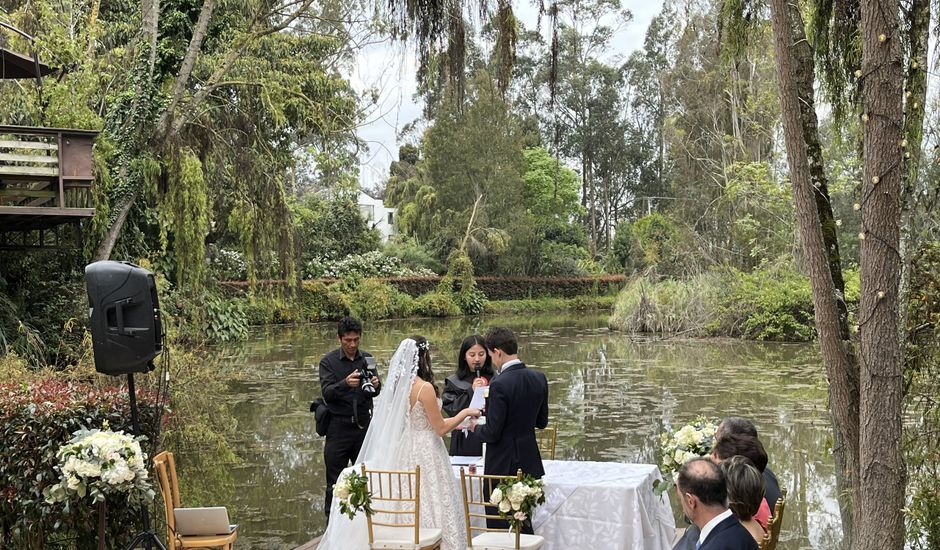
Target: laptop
<point>202,521</point>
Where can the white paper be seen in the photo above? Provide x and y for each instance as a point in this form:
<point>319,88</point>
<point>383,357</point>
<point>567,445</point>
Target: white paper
<point>478,401</point>
<point>464,460</point>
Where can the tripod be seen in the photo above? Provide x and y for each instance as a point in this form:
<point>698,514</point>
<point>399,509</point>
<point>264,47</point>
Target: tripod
<point>146,538</point>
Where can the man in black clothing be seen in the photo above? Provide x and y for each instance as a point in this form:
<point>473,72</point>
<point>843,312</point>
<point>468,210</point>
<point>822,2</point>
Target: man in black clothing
<point>350,407</point>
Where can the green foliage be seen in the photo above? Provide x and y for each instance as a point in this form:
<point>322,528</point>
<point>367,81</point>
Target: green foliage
<point>662,243</point>
<point>436,304</point>
<point>373,299</point>
<point>321,302</point>
<point>536,305</point>
<point>37,416</point>
<point>761,211</point>
<point>185,210</point>
<point>771,304</point>
<point>370,264</point>
<point>549,188</point>
<point>225,320</point>
<point>669,306</point>
<point>459,282</point>
<point>330,229</point>
<point>413,255</point>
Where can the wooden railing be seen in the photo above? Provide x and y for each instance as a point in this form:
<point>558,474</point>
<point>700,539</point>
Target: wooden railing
<point>46,171</point>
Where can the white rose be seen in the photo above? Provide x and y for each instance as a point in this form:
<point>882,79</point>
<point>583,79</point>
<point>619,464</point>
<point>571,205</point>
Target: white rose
<point>519,516</point>
<point>341,490</point>
<point>496,497</point>
<point>504,506</point>
<point>699,438</point>
<point>679,456</point>
<point>72,482</point>
<point>689,456</point>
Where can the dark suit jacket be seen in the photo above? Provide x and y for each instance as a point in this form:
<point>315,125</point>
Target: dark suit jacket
<point>729,535</point>
<point>771,489</point>
<point>518,404</point>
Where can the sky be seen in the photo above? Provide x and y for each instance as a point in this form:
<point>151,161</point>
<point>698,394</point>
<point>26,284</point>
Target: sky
<point>389,69</point>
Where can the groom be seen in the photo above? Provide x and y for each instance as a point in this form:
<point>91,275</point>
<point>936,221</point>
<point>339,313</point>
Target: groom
<point>518,404</point>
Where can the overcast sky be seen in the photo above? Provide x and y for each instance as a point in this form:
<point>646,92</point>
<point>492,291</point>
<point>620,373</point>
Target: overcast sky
<point>390,68</point>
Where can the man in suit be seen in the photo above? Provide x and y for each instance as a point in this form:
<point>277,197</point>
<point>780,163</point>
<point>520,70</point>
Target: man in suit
<point>703,493</point>
<point>517,405</point>
<point>741,426</point>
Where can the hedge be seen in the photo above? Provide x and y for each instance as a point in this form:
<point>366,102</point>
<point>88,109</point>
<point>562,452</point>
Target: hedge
<point>37,418</point>
<point>495,288</point>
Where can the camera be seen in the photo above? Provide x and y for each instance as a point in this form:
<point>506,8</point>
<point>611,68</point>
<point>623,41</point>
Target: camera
<point>365,376</point>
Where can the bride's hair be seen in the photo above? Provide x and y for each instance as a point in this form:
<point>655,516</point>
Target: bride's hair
<point>424,362</point>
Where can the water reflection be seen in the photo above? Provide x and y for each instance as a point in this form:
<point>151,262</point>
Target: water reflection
<point>611,396</point>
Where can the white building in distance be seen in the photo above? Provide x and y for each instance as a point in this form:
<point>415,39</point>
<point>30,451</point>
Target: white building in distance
<point>377,215</point>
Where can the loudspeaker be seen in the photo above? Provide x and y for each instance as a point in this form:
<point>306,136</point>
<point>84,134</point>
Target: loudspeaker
<point>126,328</point>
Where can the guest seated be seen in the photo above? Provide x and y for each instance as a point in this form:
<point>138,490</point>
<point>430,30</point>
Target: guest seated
<point>702,491</point>
<point>731,445</point>
<point>743,426</point>
<point>745,493</point>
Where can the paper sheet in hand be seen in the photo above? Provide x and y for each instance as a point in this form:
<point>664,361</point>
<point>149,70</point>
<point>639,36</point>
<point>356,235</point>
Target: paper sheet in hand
<point>477,401</point>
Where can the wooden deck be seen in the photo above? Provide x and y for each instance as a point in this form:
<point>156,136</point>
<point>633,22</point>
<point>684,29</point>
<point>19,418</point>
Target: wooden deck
<point>46,176</point>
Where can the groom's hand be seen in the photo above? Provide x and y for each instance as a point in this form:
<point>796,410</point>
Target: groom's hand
<point>473,424</point>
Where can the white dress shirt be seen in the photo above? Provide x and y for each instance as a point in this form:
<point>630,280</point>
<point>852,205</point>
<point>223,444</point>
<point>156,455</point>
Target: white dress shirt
<point>510,363</point>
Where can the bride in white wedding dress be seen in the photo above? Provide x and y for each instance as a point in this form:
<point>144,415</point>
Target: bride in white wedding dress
<point>406,430</point>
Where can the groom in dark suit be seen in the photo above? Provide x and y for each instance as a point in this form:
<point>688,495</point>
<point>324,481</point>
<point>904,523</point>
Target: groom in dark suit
<point>518,404</point>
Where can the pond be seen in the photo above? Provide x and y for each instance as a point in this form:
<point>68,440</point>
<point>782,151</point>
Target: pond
<point>611,395</point>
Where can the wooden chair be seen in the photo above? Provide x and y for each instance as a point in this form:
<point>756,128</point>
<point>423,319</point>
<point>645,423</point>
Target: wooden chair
<point>772,536</point>
<point>477,489</point>
<point>397,494</point>
<point>546,439</point>
<point>169,488</point>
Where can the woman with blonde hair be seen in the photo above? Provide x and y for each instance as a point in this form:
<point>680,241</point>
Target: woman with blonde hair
<point>745,492</point>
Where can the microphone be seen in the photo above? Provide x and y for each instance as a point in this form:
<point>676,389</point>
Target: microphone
<point>476,369</point>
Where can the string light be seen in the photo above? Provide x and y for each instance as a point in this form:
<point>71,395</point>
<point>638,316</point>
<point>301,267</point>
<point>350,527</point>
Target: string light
<point>856,207</point>
<point>861,236</point>
<point>858,73</point>
<point>881,294</point>
<point>875,180</point>
<point>838,223</point>
<point>864,117</point>
<point>882,37</point>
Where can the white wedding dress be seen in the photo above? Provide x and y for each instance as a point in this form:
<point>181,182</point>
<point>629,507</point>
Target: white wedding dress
<point>440,491</point>
<point>400,437</point>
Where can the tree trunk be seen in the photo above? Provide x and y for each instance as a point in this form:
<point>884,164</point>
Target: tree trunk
<point>805,72</point>
<point>110,238</point>
<point>881,500</point>
<point>840,363</point>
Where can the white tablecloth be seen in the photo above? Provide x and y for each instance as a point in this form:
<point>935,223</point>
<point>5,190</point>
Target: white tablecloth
<point>602,506</point>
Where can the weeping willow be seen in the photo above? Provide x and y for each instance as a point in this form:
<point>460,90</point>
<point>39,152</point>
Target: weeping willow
<point>184,216</point>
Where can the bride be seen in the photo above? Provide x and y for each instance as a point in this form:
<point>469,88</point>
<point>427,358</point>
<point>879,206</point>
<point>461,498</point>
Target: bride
<point>406,430</point>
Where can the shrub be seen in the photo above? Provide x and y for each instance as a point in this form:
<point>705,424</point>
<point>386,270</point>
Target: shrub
<point>414,255</point>
<point>436,304</point>
<point>770,304</point>
<point>36,418</point>
<point>670,306</point>
<point>225,319</point>
<point>320,302</point>
<point>459,282</point>
<point>369,264</point>
<point>225,264</point>
<point>561,259</point>
<point>374,299</point>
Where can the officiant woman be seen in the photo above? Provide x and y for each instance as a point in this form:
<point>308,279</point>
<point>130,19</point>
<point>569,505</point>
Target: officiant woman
<point>474,370</point>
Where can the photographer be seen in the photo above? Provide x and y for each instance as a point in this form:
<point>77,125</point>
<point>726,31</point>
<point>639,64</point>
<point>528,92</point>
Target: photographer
<point>349,398</point>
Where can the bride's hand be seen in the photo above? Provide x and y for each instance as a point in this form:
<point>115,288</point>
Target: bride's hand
<point>471,412</point>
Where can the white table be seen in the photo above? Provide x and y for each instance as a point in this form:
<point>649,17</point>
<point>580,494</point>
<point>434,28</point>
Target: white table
<point>602,506</point>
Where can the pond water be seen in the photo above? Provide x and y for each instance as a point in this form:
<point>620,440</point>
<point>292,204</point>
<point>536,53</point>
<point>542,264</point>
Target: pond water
<point>611,395</point>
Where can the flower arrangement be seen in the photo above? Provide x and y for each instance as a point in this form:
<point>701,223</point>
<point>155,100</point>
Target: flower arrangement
<point>99,463</point>
<point>353,494</point>
<point>517,498</point>
<point>693,440</point>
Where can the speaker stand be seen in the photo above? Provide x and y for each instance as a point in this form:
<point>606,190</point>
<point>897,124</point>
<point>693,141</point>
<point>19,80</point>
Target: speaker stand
<point>146,538</point>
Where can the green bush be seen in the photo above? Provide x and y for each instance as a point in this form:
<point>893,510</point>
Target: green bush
<point>36,418</point>
<point>562,259</point>
<point>225,319</point>
<point>374,299</point>
<point>320,302</point>
<point>459,282</point>
<point>436,304</point>
<point>771,304</point>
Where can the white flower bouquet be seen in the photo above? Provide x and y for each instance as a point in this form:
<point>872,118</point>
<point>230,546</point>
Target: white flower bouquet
<point>693,440</point>
<point>99,463</point>
<point>517,498</point>
<point>353,494</point>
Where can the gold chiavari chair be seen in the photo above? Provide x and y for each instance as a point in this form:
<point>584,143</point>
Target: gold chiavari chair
<point>546,439</point>
<point>772,536</point>
<point>477,489</point>
<point>396,497</point>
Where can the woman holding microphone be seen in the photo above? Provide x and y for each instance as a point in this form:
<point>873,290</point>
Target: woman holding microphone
<point>474,370</point>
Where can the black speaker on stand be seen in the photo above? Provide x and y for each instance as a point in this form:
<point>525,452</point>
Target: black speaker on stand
<point>127,334</point>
